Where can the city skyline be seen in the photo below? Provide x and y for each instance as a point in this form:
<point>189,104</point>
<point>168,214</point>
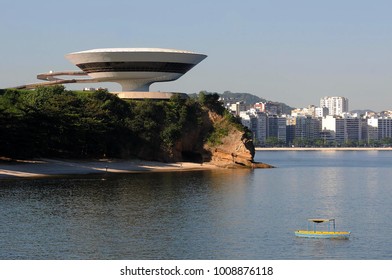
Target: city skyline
<point>292,52</point>
<point>313,127</point>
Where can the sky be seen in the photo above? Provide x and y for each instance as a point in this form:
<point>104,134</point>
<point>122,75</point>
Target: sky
<point>282,50</point>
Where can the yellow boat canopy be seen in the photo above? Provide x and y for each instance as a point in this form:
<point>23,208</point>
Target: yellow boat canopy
<point>321,220</point>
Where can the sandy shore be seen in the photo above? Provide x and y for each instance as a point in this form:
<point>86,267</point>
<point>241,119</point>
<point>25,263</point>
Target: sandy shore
<point>51,167</point>
<point>323,149</point>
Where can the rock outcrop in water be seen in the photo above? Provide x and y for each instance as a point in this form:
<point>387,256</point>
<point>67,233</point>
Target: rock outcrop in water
<point>235,149</point>
<point>228,144</point>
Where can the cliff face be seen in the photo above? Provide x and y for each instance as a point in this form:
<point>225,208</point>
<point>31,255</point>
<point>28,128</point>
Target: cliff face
<point>233,149</point>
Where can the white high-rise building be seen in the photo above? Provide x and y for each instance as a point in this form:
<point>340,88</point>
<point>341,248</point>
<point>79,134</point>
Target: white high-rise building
<point>379,128</point>
<point>237,107</point>
<point>257,122</point>
<point>343,129</point>
<point>320,112</point>
<point>336,105</point>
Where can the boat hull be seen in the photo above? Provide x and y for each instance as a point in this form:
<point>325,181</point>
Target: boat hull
<point>323,234</point>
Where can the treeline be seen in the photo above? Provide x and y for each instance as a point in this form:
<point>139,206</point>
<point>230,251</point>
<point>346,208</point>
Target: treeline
<point>54,122</point>
<point>298,142</point>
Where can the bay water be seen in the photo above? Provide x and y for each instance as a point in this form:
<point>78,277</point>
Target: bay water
<point>215,214</point>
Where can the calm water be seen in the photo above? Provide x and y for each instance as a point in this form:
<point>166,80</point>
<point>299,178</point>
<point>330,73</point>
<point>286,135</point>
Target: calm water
<point>225,214</point>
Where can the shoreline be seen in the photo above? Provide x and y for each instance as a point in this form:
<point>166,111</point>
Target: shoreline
<point>323,149</point>
<point>40,168</point>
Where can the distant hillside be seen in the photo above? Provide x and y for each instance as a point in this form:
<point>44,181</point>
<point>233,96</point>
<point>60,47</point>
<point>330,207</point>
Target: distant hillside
<point>246,97</point>
<point>250,99</point>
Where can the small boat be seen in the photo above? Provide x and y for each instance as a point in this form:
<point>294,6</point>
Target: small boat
<point>330,233</point>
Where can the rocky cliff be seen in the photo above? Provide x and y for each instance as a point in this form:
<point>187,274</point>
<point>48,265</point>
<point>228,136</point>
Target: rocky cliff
<point>219,142</point>
<point>234,150</point>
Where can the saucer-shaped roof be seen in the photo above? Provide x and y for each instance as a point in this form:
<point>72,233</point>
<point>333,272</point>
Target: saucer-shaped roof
<point>134,50</point>
<point>135,68</point>
<point>135,54</point>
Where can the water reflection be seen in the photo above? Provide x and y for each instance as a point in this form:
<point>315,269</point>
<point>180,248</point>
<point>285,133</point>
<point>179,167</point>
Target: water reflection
<point>225,214</point>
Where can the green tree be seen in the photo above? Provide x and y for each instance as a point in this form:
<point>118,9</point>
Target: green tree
<point>211,101</point>
<point>272,141</point>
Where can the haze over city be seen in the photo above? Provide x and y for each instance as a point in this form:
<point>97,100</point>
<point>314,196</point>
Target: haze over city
<point>289,51</point>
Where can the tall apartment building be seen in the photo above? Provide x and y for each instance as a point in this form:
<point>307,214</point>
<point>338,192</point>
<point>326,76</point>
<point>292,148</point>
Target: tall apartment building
<point>277,127</point>
<point>246,119</point>
<point>379,128</point>
<point>257,122</point>
<point>384,128</point>
<point>342,129</point>
<point>353,129</point>
<point>307,128</point>
<point>261,127</point>
<point>336,105</point>
<point>237,107</point>
<point>320,112</point>
<point>372,129</point>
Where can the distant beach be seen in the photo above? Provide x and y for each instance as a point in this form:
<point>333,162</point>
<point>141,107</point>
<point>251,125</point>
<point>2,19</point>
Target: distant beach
<point>13,169</point>
<point>324,149</point>
<point>52,167</point>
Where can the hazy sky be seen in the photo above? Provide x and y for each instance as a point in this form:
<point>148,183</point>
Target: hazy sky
<point>293,51</point>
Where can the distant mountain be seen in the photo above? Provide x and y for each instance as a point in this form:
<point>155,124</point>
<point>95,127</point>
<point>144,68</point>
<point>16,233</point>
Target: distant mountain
<point>248,98</point>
